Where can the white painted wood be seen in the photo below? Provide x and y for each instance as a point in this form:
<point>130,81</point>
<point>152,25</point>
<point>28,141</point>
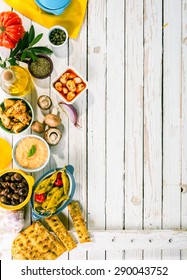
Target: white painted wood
<point>184,121</point>
<point>172,118</point>
<point>152,119</point>
<point>96,117</point>
<point>78,135</point>
<point>115,123</point>
<point>119,51</point>
<point>133,116</point>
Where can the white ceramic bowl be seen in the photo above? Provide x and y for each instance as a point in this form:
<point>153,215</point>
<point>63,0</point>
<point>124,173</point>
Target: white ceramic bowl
<point>31,158</point>
<point>58,49</point>
<point>62,96</point>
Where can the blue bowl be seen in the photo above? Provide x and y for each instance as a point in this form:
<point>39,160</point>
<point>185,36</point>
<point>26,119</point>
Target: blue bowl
<point>54,4</point>
<point>56,12</point>
<point>69,172</point>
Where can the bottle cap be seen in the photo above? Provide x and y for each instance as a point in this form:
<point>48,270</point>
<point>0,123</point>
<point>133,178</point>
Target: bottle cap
<point>8,76</point>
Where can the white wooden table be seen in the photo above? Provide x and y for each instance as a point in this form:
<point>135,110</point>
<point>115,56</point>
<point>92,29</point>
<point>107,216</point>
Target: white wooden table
<point>130,154</point>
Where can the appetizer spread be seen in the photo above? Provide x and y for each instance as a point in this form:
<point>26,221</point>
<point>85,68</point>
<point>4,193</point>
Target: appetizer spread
<point>54,191</point>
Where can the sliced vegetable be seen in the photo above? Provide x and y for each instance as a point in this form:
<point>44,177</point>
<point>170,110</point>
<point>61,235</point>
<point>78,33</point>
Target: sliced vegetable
<point>71,112</point>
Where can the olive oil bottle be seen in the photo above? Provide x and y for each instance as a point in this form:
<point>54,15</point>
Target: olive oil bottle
<point>16,81</point>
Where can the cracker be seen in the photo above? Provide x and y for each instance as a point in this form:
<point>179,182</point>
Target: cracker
<point>78,221</point>
<point>61,232</point>
<point>36,243</point>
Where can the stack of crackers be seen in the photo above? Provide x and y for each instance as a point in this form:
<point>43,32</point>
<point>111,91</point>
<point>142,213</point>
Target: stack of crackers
<point>38,243</point>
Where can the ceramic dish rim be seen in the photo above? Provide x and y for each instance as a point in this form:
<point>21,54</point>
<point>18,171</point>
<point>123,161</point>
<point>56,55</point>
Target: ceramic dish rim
<point>32,117</point>
<point>33,169</point>
<point>58,93</point>
<point>65,204</point>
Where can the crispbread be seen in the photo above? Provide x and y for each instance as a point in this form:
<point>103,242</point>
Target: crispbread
<point>61,232</point>
<point>36,243</point>
<point>78,221</point>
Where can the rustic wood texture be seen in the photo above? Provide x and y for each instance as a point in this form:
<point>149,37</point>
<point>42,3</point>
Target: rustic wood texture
<point>129,153</point>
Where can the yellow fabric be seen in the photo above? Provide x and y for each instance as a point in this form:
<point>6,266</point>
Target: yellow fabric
<point>71,18</point>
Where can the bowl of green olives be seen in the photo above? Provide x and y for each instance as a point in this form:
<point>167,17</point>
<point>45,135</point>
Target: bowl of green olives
<point>15,189</point>
<point>58,37</point>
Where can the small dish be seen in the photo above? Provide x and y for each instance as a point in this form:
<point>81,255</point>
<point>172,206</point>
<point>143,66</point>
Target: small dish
<point>21,186</point>
<point>43,63</point>
<point>56,12</point>
<point>31,153</point>
<point>19,121</point>
<point>55,4</point>
<point>69,171</point>
<point>69,85</point>
<point>57,48</point>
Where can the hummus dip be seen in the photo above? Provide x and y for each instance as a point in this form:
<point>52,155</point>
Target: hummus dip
<point>39,156</point>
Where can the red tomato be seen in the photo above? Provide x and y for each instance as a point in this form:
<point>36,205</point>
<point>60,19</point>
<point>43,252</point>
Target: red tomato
<point>39,197</point>
<point>58,181</point>
<point>11,29</point>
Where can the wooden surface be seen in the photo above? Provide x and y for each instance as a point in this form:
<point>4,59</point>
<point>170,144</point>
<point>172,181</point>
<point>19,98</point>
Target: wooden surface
<point>130,154</point>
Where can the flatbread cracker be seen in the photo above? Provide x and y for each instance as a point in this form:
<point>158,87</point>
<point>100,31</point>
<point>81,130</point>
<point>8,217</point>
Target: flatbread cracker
<point>36,243</point>
<point>78,221</point>
<point>61,232</point>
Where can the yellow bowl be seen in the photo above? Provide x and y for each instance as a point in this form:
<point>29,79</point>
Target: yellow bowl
<point>30,181</point>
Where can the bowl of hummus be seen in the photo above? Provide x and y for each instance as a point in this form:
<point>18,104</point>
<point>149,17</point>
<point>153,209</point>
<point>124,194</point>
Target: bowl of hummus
<point>31,153</point>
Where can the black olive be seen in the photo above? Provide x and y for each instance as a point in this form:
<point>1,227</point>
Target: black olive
<point>7,178</point>
<point>1,180</point>
<point>15,196</point>
<point>13,186</point>
<point>14,202</point>
<point>2,192</point>
<point>24,181</point>
<point>18,177</point>
<point>3,199</point>
<point>21,185</point>
<point>5,184</point>
<point>9,196</point>
<point>21,199</point>
<point>23,192</point>
<point>7,191</point>
<point>12,178</point>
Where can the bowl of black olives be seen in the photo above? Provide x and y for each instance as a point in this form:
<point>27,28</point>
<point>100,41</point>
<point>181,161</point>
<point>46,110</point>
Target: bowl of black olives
<point>15,189</point>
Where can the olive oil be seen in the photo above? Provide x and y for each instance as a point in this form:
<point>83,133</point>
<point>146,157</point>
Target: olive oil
<point>16,81</point>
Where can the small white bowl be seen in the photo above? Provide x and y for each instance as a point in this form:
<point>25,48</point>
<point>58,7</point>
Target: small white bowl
<point>31,169</point>
<point>71,69</point>
<point>58,49</point>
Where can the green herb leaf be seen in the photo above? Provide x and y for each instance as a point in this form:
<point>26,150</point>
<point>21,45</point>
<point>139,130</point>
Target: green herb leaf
<point>31,34</point>
<point>23,55</point>
<point>42,50</point>
<point>32,55</point>
<point>36,40</point>
<point>32,151</point>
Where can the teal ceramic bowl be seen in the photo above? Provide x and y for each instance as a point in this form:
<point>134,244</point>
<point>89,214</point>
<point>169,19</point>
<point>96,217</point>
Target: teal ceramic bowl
<point>55,4</point>
<point>69,172</point>
<point>55,11</point>
<point>29,111</point>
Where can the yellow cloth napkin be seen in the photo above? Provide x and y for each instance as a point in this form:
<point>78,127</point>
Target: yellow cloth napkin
<point>71,18</point>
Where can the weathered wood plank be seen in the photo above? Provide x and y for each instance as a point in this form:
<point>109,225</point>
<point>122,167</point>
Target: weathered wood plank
<point>172,118</point>
<point>115,123</point>
<point>78,135</point>
<point>134,115</point>
<point>152,118</point>
<point>96,117</point>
